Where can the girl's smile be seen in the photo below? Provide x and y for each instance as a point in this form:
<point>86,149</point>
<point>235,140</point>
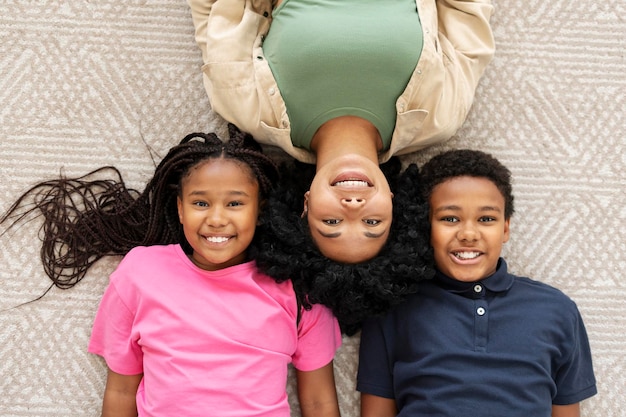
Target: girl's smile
<point>218,208</point>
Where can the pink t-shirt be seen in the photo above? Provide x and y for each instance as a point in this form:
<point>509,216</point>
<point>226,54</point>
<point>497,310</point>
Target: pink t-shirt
<point>208,342</point>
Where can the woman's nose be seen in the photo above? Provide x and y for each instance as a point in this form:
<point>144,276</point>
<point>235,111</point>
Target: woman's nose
<point>352,201</point>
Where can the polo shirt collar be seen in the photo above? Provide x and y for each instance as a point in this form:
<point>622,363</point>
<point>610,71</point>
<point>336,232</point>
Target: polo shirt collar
<point>499,281</point>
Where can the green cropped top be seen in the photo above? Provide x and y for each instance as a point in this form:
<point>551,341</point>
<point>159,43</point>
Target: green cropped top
<point>333,58</point>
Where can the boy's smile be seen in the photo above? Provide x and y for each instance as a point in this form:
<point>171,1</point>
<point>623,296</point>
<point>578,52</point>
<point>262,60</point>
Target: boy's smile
<point>468,227</point>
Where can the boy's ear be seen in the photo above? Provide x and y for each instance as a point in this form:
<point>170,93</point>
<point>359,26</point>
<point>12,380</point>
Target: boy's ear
<point>507,230</point>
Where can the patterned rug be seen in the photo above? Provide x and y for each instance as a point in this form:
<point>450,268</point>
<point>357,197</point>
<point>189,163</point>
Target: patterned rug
<point>106,82</point>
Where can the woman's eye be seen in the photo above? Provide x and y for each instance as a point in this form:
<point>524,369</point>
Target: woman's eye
<point>371,222</point>
<point>331,221</point>
<point>201,204</point>
<point>235,203</point>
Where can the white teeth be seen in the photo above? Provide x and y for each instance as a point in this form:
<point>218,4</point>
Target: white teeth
<point>352,183</point>
<point>217,239</point>
<point>467,255</point>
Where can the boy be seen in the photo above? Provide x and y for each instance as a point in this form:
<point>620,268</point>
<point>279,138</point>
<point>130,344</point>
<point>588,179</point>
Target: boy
<point>475,340</point>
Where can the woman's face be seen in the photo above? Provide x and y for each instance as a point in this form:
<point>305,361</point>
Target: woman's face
<point>349,209</point>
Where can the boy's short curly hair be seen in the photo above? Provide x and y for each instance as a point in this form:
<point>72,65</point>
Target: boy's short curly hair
<point>471,163</point>
<point>283,248</point>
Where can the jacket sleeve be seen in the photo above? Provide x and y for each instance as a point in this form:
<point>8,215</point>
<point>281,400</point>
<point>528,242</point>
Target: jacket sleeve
<point>200,11</point>
<point>466,37</point>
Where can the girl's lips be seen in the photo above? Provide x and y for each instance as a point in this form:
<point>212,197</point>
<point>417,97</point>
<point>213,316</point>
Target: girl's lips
<point>217,239</point>
<point>352,176</point>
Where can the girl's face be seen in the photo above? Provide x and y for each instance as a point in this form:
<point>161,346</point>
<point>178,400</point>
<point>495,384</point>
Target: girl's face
<point>219,208</point>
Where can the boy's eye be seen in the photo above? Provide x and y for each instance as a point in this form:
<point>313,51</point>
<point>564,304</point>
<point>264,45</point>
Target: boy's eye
<point>331,222</point>
<point>486,219</point>
<point>371,222</point>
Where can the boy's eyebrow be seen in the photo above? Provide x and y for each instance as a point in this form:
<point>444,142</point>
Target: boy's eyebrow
<point>447,208</point>
<point>490,208</point>
<point>452,207</point>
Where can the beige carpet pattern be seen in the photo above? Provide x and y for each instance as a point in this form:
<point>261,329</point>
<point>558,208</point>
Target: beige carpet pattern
<point>89,83</point>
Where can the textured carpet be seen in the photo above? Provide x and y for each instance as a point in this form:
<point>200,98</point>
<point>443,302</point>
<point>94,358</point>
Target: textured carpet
<point>90,83</point>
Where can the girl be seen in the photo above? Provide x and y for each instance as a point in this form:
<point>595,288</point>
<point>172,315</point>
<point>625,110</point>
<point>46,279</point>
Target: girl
<point>188,325</point>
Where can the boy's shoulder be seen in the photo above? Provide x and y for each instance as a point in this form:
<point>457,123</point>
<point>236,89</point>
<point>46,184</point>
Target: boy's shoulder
<point>537,292</point>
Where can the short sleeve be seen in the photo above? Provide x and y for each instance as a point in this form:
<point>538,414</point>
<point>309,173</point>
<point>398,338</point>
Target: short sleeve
<point>112,335</point>
<point>575,378</point>
<point>374,375</point>
<point>319,337</point>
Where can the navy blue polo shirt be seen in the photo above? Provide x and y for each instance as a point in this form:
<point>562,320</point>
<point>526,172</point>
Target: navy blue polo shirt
<point>503,346</point>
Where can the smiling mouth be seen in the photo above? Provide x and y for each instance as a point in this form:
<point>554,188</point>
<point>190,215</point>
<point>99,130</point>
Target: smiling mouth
<point>466,255</point>
<point>352,184</point>
<point>352,180</point>
<point>217,239</point>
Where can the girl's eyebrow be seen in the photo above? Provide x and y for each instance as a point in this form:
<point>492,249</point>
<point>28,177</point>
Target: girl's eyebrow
<point>232,192</point>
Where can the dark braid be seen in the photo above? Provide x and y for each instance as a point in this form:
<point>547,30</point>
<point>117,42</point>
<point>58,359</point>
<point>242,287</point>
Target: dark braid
<point>86,218</point>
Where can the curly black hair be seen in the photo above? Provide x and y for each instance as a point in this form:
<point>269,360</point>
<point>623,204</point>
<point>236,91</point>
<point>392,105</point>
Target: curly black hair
<point>284,249</point>
<point>471,163</point>
<point>87,218</point>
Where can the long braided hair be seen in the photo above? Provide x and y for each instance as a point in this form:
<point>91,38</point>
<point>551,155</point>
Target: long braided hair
<point>86,219</point>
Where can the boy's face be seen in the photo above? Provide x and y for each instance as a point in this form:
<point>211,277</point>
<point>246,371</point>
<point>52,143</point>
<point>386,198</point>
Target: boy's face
<point>468,227</point>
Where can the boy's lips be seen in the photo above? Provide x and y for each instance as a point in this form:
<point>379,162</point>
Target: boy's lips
<point>466,255</point>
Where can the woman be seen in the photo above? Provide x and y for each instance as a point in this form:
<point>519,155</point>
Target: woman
<point>344,85</point>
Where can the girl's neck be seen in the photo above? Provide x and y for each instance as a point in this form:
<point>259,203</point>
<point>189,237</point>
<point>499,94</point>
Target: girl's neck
<point>346,135</point>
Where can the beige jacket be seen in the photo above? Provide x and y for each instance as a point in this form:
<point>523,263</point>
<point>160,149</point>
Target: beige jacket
<point>458,45</point>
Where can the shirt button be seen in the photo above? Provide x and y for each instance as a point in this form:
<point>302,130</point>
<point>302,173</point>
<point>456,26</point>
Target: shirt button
<point>271,91</point>
<point>480,311</point>
<point>478,288</point>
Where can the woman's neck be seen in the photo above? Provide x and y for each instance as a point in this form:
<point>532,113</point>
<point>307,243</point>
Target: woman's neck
<point>346,135</point>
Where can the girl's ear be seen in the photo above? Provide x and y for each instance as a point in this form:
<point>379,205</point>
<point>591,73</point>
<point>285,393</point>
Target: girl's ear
<point>262,205</point>
<point>179,206</point>
<point>305,209</point>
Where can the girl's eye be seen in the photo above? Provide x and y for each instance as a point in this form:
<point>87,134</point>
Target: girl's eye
<point>449,219</point>
<point>201,204</point>
<point>331,222</point>
<point>235,204</point>
<point>371,222</point>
